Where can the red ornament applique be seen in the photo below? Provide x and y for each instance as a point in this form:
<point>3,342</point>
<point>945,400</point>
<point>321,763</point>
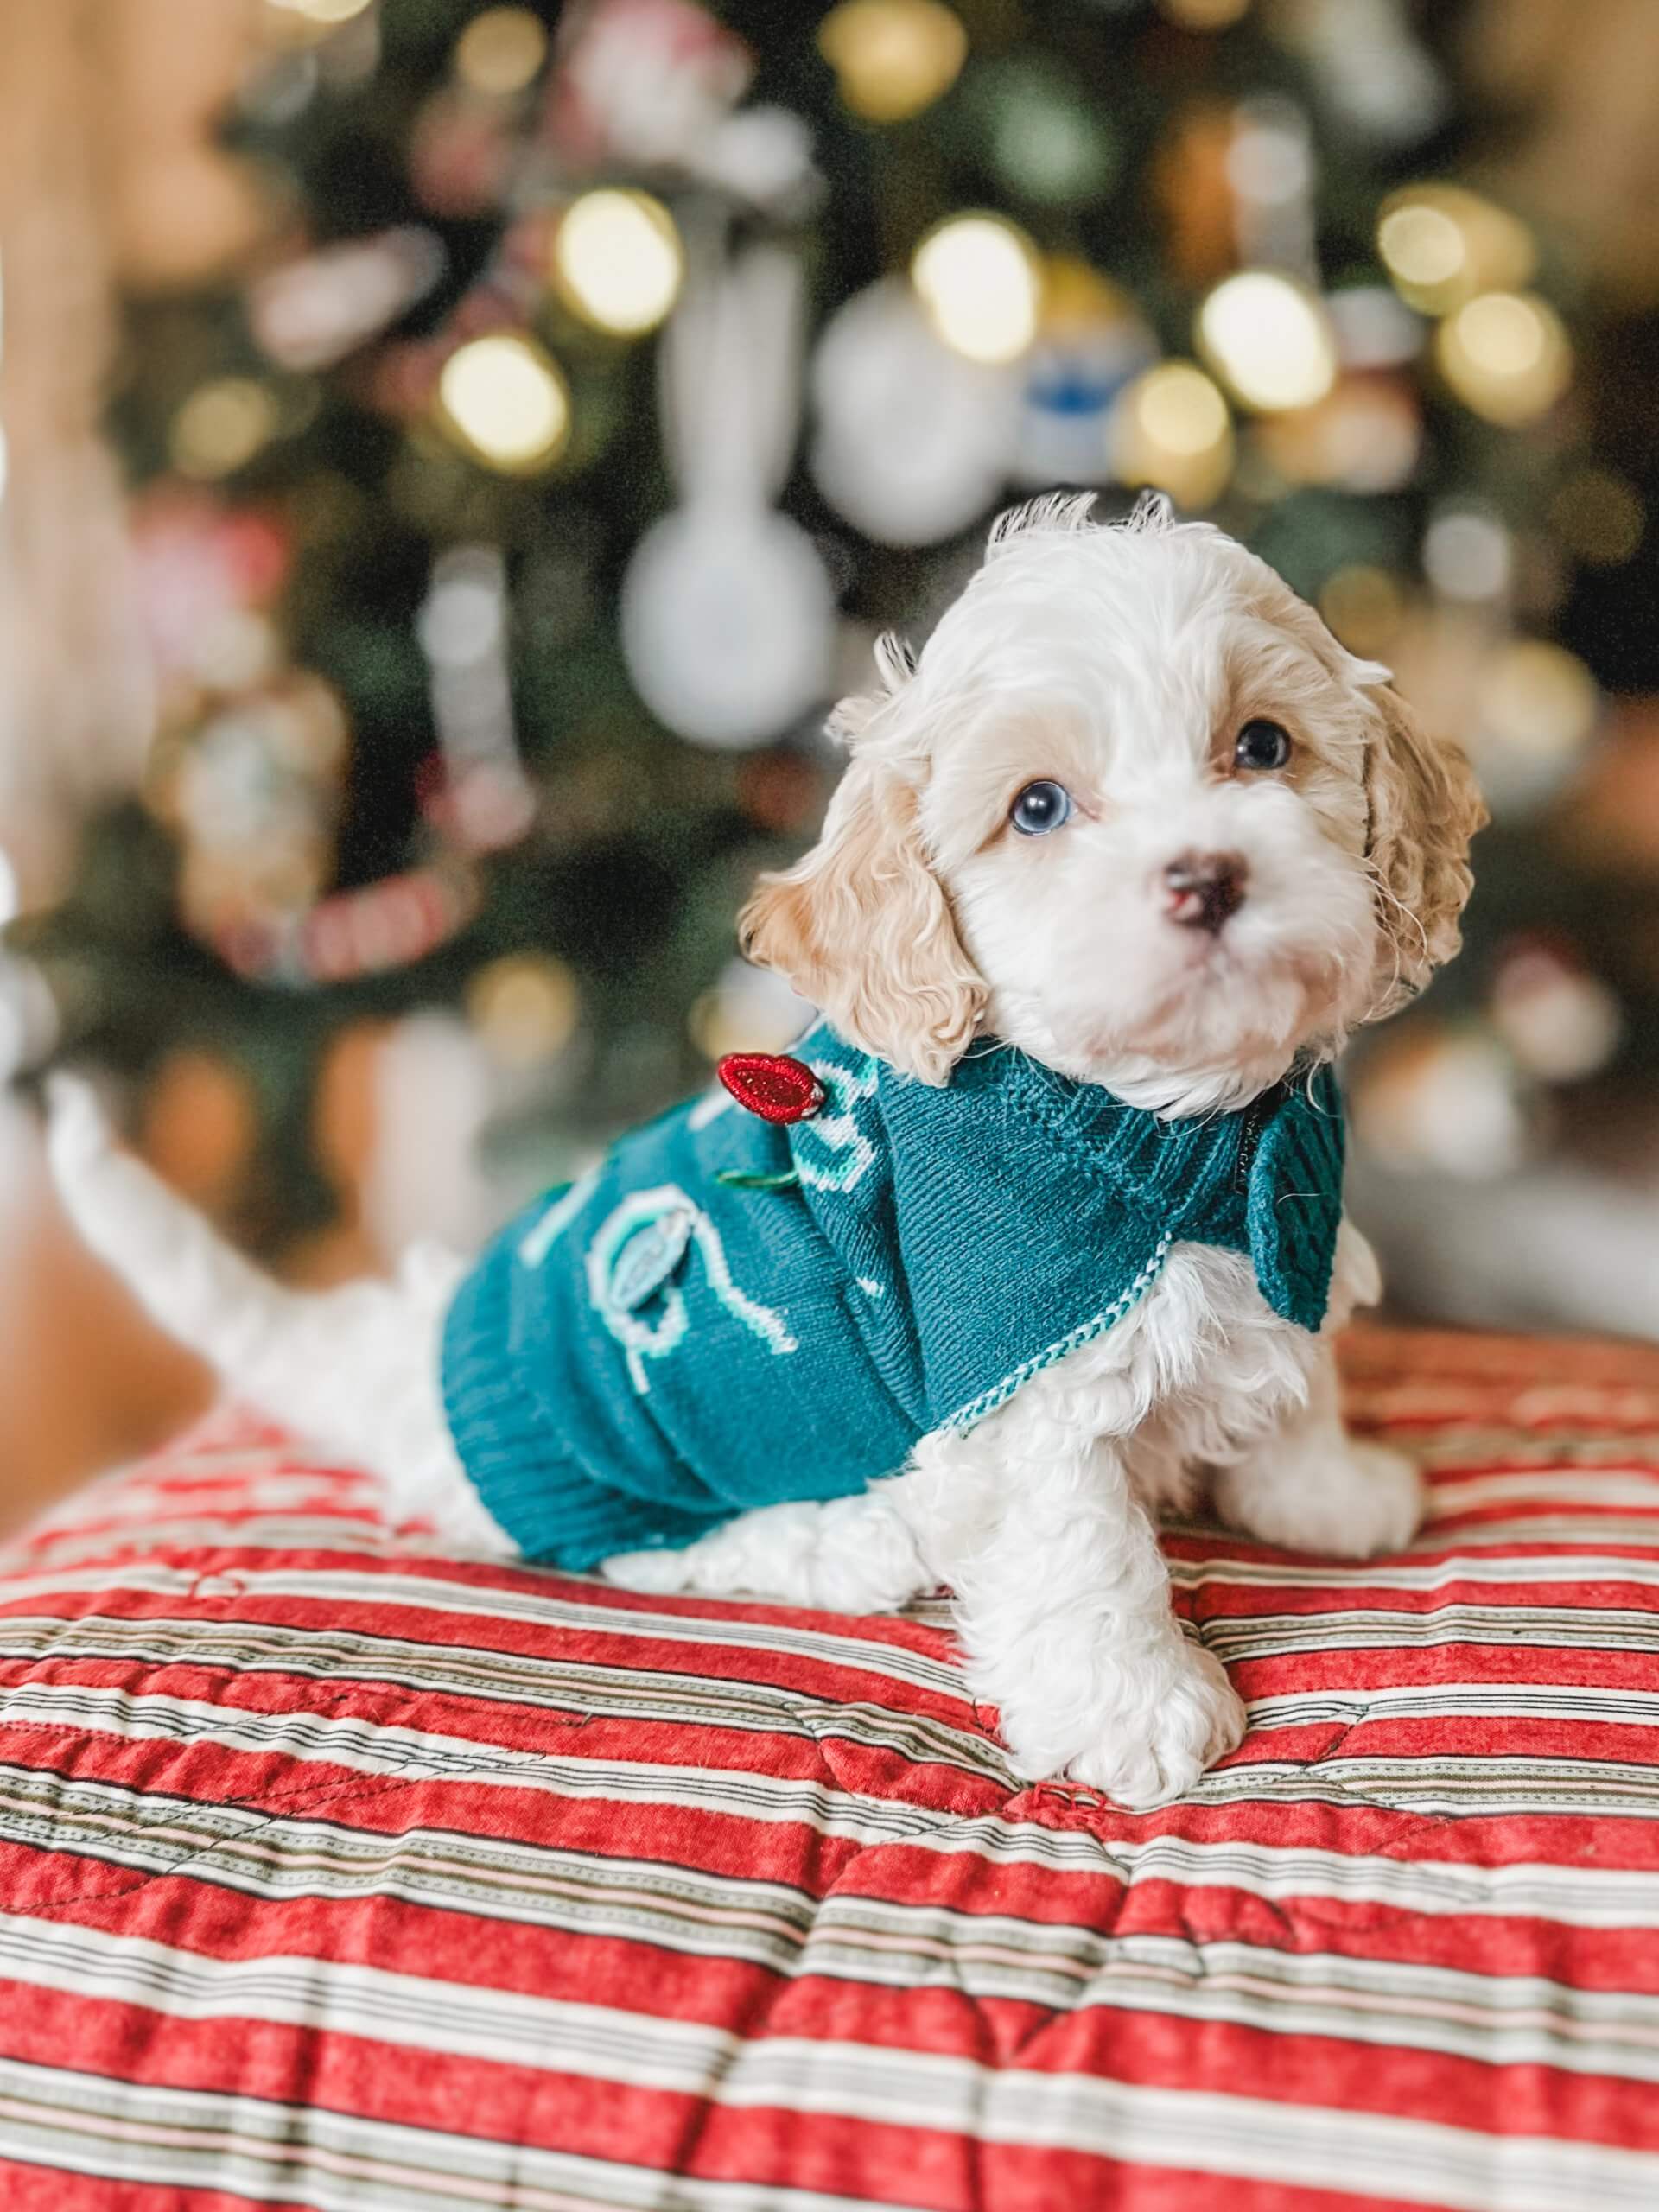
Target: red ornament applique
<point>771,1086</point>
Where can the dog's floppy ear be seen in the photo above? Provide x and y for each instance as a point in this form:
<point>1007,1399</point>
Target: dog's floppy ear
<point>1423,806</point>
<point>861,926</point>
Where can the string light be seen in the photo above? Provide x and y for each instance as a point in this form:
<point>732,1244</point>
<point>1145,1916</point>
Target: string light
<point>327,12</point>
<point>1507,356</point>
<point>1442,245</point>
<point>507,401</point>
<point>221,426</point>
<point>1170,429</point>
<point>501,51</point>
<point>618,261</point>
<point>1270,339</point>
<point>979,278</point>
<point>1204,14</point>
<point>893,58</point>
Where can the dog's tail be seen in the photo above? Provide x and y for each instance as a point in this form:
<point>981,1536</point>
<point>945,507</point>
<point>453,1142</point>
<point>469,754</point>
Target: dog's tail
<point>355,1369</point>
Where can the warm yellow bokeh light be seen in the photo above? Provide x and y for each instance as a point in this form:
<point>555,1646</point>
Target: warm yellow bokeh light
<point>980,280</point>
<point>1443,244</point>
<point>221,426</point>
<point>1537,699</point>
<point>893,58</point>
<point>1599,516</point>
<point>501,51</point>
<point>1507,356</point>
<point>1270,339</point>
<point>1170,429</point>
<point>618,261</point>
<point>327,12</point>
<point>1363,606</point>
<point>507,401</point>
<point>1204,14</point>
<point>524,1006</point>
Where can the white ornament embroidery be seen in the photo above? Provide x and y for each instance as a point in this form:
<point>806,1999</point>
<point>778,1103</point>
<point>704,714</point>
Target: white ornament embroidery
<point>643,1339</point>
<point>853,1154</point>
<point>538,1242</point>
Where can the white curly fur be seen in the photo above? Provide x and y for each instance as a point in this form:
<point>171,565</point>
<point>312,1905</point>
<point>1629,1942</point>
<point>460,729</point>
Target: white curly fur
<point>1121,662</point>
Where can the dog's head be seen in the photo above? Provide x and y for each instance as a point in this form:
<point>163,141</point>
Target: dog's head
<point>1134,810</point>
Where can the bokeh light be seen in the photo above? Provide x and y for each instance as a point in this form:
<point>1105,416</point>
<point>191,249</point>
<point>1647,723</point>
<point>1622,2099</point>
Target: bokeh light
<point>524,1006</point>
<point>1204,14</point>
<point>1537,702</point>
<point>501,51</point>
<point>1363,606</point>
<point>1599,516</point>
<point>980,280</point>
<point>1270,339</point>
<point>617,260</point>
<point>1170,429</point>
<point>1507,356</point>
<point>325,12</point>
<point>1443,244</point>
<point>506,400</point>
<point>893,58</point>
<point>221,426</point>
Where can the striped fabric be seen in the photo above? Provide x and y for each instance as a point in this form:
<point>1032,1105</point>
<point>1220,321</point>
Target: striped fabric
<point>338,1874</point>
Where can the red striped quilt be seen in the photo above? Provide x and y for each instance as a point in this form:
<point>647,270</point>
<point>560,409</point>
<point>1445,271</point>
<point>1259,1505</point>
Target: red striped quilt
<point>339,1874</point>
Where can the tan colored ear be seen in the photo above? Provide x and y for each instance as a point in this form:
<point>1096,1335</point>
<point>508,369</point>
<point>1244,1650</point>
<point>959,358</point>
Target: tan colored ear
<point>861,927</point>
<point>1424,807</point>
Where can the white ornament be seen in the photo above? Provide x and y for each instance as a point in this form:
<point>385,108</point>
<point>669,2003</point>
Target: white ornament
<point>726,617</point>
<point>727,614</point>
<point>914,441</point>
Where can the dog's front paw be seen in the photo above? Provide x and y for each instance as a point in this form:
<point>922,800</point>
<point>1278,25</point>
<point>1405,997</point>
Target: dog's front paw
<point>1164,1722</point>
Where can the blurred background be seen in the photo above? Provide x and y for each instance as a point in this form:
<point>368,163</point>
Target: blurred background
<point>453,453</point>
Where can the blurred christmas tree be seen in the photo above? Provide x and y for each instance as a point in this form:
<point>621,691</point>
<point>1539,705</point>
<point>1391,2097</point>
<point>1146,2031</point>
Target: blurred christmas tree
<point>493,629</point>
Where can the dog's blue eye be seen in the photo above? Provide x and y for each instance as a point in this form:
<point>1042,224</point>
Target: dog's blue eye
<point>1262,745</point>
<point>1040,808</point>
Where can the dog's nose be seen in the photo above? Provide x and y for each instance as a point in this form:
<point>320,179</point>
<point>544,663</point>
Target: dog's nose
<point>1202,890</point>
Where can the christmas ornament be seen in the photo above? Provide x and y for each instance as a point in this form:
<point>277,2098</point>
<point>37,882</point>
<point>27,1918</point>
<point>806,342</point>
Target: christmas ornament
<point>771,1084</point>
<point>1370,64</point>
<point>487,801</point>
<point>913,443</point>
<point>652,85</point>
<point>1091,344</point>
<point>387,925</point>
<point>255,794</point>
<point>1447,1099</point>
<point>312,313</point>
<point>727,613</point>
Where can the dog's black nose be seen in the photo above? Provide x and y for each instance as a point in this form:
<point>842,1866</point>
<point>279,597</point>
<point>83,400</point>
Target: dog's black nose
<point>1203,889</point>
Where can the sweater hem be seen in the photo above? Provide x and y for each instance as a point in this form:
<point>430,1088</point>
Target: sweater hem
<point>989,1402</point>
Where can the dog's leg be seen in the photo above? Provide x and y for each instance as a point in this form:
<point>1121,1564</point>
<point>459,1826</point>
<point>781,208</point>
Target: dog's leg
<point>849,1556</point>
<point>1064,1609</point>
<point>1309,1486</point>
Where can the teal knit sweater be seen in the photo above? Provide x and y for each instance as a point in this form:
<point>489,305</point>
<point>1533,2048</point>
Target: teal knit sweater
<point>727,1313</point>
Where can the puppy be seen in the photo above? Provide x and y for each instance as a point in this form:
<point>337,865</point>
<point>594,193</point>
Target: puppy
<point>1116,867</point>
